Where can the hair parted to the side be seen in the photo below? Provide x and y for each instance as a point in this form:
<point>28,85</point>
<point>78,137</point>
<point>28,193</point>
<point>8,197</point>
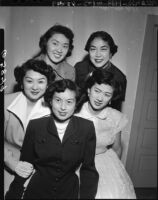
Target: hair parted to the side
<point>57,28</point>
<point>35,65</point>
<point>106,37</point>
<point>60,86</point>
<point>99,76</point>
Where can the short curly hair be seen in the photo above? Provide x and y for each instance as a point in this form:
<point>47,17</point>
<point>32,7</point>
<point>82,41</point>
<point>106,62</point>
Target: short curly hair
<point>67,32</point>
<point>104,77</point>
<point>35,65</point>
<point>60,86</point>
<point>105,37</point>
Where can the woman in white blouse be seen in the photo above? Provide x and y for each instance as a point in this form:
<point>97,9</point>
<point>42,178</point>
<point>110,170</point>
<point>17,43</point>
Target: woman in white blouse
<point>114,182</point>
<point>33,77</point>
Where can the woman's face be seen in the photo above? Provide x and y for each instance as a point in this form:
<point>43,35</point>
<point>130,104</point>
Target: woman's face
<point>99,52</point>
<point>57,48</point>
<point>63,104</point>
<point>99,96</point>
<point>34,85</point>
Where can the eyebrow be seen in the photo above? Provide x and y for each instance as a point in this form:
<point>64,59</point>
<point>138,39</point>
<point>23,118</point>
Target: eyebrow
<point>106,45</point>
<point>102,91</point>
<point>67,43</point>
<point>33,78</point>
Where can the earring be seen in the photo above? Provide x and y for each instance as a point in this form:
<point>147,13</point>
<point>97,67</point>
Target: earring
<point>109,102</point>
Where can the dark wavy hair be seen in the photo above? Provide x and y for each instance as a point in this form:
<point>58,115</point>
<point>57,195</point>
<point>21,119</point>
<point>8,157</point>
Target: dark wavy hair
<point>105,37</point>
<point>61,86</point>
<point>100,77</point>
<point>35,65</point>
<point>67,32</point>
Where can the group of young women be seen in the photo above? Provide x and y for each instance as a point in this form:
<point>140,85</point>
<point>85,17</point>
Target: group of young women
<point>63,129</point>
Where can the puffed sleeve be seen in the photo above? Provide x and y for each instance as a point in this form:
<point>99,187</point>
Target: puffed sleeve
<point>120,119</point>
<point>88,174</point>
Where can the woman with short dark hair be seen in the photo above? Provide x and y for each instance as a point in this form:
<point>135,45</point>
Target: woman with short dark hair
<point>57,146</point>
<point>101,88</point>
<point>56,44</point>
<point>33,78</point>
<point>101,48</point>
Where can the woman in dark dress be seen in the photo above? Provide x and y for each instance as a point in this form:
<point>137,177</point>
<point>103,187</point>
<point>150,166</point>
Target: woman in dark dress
<point>57,146</point>
<point>101,48</point>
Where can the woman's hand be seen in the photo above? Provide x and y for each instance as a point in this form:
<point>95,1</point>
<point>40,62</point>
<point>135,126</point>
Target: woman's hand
<point>24,169</point>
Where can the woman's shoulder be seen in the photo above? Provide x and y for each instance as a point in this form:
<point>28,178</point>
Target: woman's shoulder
<point>67,65</point>
<point>8,98</point>
<point>117,71</point>
<point>82,64</point>
<point>82,121</point>
<point>115,114</point>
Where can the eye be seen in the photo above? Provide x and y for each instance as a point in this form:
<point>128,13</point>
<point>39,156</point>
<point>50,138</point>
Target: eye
<point>97,91</point>
<point>56,100</point>
<point>65,46</point>
<point>28,81</point>
<point>92,49</point>
<point>41,82</point>
<point>70,101</point>
<point>107,95</point>
<point>54,43</point>
<point>104,49</point>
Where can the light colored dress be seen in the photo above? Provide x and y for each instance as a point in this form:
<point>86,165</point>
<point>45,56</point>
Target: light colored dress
<point>114,182</point>
<point>15,124</point>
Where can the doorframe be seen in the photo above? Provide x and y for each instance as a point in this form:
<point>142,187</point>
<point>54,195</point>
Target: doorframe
<point>151,21</point>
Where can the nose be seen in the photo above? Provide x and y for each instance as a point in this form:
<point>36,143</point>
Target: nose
<point>97,52</point>
<point>63,106</point>
<point>100,97</point>
<point>60,49</point>
<point>35,86</point>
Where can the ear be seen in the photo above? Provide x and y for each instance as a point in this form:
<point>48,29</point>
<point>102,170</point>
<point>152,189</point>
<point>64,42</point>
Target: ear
<point>22,87</point>
<point>88,91</point>
<point>110,56</point>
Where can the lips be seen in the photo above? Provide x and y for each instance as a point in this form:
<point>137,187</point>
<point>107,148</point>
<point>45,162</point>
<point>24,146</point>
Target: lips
<point>34,93</point>
<point>98,60</point>
<point>57,55</point>
<point>63,114</point>
<point>97,103</point>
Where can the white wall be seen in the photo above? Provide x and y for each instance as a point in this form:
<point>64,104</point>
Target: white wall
<point>24,26</point>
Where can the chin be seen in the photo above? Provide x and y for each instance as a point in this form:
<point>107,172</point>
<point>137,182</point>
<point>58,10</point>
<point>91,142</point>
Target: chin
<point>59,119</point>
<point>34,100</point>
<point>57,61</point>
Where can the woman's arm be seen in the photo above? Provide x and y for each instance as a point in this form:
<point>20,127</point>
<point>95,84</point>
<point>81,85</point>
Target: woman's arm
<point>88,173</point>
<point>117,146</point>
<point>27,150</point>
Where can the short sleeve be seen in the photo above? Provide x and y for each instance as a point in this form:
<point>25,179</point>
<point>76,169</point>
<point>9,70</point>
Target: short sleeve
<point>120,120</point>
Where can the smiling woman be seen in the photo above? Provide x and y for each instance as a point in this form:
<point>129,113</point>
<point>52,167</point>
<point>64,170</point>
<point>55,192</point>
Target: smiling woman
<point>101,88</point>
<point>101,48</point>
<point>33,77</point>
<point>56,44</point>
<point>57,146</point>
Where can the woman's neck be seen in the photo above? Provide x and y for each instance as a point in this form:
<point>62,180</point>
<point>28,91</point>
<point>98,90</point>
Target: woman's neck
<point>62,123</point>
<point>30,106</point>
<point>49,62</point>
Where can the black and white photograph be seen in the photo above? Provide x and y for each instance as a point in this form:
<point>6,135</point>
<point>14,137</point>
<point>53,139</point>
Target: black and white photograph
<point>79,86</point>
